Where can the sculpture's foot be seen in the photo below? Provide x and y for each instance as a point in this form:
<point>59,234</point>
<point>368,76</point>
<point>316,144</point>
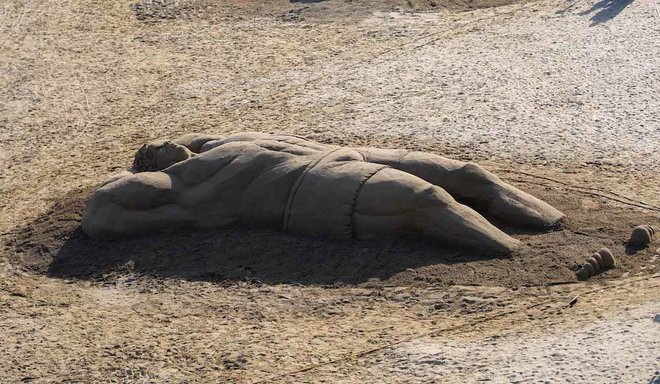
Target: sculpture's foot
<point>461,226</point>
<point>521,209</point>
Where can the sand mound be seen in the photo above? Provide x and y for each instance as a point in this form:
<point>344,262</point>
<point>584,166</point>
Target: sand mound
<point>53,244</point>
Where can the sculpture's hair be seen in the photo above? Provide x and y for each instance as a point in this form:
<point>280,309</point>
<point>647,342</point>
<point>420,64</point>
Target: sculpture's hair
<point>145,159</point>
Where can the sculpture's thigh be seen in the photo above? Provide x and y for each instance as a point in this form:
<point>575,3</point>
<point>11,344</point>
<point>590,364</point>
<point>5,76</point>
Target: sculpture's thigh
<point>386,202</point>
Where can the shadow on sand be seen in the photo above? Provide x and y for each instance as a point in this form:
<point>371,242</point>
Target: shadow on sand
<point>606,10</point>
<point>245,254</point>
<point>55,245</point>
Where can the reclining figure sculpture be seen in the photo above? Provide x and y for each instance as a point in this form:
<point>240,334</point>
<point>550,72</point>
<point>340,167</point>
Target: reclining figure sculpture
<point>297,185</point>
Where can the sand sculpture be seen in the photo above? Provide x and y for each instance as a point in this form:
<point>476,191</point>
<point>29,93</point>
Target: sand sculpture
<point>643,235</point>
<point>599,262</point>
<point>294,184</point>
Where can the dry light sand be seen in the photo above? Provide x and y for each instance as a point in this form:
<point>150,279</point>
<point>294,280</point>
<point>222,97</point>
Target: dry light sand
<point>559,98</point>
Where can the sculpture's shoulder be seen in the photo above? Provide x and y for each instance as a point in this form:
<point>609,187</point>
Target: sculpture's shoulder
<point>117,176</point>
<point>236,157</point>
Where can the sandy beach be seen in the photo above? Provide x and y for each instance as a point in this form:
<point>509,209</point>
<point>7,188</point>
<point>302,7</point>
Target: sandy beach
<point>558,98</point>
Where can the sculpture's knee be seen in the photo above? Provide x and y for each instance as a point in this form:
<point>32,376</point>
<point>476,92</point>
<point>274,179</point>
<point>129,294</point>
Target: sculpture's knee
<point>432,196</point>
<point>472,184</point>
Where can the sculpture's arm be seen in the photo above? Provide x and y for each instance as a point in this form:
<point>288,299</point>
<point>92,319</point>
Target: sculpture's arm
<point>199,142</point>
<point>277,142</point>
<point>195,141</point>
<point>140,203</point>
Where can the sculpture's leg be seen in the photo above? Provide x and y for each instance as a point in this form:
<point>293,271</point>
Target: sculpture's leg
<point>393,201</point>
<point>492,196</point>
<point>473,185</point>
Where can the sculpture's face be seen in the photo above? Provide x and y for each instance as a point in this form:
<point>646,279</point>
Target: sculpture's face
<point>159,155</point>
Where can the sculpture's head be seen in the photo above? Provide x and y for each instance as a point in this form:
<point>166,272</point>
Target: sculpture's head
<point>159,155</point>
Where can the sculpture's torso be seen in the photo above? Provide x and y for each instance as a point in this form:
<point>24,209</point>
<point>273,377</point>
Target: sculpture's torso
<point>275,183</point>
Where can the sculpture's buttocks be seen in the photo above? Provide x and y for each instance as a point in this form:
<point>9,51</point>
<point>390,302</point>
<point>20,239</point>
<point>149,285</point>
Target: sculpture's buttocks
<point>335,179</point>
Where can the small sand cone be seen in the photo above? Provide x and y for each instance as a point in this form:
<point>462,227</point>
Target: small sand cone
<point>643,235</point>
<point>607,257</point>
<point>597,267</point>
<point>600,261</point>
